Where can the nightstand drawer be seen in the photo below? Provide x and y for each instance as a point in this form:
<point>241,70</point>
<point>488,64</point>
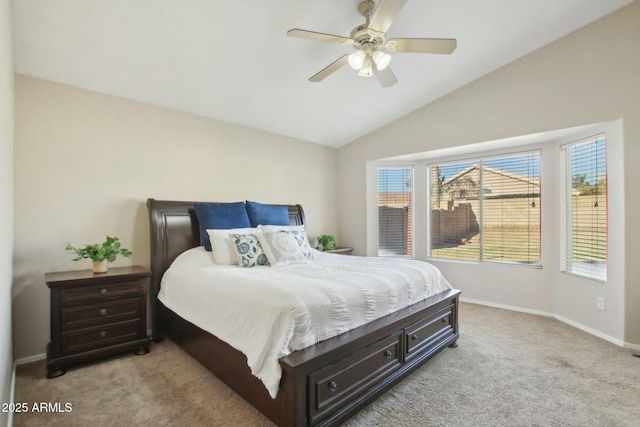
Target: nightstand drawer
<point>99,314</point>
<point>105,292</point>
<point>87,339</point>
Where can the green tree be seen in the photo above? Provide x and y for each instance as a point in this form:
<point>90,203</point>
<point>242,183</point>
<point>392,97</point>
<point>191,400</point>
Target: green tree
<point>578,180</point>
<point>461,188</point>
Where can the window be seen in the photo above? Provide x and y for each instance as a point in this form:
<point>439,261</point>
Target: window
<point>395,189</point>
<point>486,209</point>
<point>584,211</point>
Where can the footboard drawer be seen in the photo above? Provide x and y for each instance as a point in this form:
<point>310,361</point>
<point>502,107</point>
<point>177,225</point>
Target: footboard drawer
<point>425,335</point>
<point>335,385</point>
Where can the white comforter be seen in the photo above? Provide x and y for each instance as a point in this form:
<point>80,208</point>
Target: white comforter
<point>268,312</point>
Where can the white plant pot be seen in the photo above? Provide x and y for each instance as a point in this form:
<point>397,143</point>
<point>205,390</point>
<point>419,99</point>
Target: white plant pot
<point>100,266</point>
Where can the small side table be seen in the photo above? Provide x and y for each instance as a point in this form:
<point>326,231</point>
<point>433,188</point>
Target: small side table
<point>96,315</point>
<point>341,251</point>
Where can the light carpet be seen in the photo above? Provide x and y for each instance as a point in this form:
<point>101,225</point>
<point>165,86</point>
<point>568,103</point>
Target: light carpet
<point>510,369</point>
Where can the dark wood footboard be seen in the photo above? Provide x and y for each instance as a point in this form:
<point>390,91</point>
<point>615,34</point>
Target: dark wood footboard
<point>327,383</point>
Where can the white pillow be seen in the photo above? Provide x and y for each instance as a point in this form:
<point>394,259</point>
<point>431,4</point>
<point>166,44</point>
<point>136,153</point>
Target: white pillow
<point>281,248</point>
<point>224,251</point>
<point>298,232</point>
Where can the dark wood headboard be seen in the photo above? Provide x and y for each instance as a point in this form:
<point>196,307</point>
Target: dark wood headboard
<point>174,229</point>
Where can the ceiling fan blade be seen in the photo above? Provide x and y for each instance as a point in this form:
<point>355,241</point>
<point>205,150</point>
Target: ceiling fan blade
<point>444,46</point>
<point>384,15</point>
<point>385,77</point>
<point>330,69</point>
<point>312,35</point>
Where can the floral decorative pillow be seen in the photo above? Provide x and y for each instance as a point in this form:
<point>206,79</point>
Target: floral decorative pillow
<point>248,250</point>
<point>281,248</point>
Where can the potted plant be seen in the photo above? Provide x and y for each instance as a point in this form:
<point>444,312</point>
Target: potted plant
<point>100,254</point>
<point>326,242</point>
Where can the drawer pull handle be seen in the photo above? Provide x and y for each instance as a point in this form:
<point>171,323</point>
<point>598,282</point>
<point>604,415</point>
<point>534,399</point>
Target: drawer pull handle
<point>333,386</point>
<point>103,291</point>
<point>414,337</point>
<point>103,311</point>
<point>388,354</point>
<point>103,334</point>
<point>445,320</point>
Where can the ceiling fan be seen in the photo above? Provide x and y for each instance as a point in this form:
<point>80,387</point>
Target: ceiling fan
<point>369,38</point>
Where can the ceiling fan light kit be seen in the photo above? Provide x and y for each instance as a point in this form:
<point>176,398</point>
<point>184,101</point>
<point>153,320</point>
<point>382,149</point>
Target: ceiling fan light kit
<point>381,59</point>
<point>369,38</point>
<point>367,68</point>
<point>356,60</point>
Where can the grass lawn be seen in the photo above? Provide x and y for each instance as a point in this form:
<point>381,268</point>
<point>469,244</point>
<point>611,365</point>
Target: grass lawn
<point>514,246</point>
<point>511,246</point>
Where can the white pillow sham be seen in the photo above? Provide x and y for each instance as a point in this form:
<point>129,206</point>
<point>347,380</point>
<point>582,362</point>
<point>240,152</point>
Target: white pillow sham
<point>224,250</point>
<point>281,248</point>
<point>298,232</point>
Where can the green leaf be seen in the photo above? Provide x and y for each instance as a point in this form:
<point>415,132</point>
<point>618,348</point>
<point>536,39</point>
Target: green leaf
<point>107,250</point>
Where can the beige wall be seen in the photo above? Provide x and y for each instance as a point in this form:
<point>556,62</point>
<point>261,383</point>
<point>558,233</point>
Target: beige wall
<point>85,163</point>
<point>6,203</point>
<point>589,76</point>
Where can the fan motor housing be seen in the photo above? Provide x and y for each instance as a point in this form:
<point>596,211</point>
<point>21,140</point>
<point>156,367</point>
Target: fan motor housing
<point>361,36</point>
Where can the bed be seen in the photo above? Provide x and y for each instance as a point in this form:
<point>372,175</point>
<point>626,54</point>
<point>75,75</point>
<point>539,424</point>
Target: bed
<point>323,384</point>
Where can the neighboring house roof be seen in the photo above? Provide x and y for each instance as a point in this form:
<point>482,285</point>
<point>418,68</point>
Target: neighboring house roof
<point>496,183</point>
<point>524,178</point>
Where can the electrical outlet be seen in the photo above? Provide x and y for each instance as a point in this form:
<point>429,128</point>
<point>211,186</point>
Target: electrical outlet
<point>600,302</point>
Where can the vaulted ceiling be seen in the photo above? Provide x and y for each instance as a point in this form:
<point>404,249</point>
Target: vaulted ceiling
<point>232,60</point>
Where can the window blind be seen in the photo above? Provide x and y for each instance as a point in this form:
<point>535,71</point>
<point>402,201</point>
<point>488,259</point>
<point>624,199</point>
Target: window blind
<point>584,225</point>
<point>511,208</point>
<point>395,201</point>
<point>455,211</point>
<point>487,209</point>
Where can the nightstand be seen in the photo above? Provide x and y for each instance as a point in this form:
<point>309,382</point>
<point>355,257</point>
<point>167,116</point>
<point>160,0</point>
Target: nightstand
<point>96,315</point>
<point>341,251</point>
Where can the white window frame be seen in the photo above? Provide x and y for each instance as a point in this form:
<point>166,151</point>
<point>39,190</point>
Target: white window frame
<point>480,160</point>
<point>566,221</point>
<point>412,207</point>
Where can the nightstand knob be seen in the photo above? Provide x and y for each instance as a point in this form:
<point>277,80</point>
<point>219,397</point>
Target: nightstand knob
<point>333,386</point>
<point>103,291</point>
<point>388,354</point>
<point>414,337</point>
<point>103,311</point>
<point>103,334</point>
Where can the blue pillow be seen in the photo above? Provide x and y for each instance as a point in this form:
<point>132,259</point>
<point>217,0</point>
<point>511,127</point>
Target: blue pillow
<point>260,214</point>
<point>220,216</point>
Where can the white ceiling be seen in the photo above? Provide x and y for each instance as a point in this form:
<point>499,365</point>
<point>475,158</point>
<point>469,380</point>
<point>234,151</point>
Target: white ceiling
<point>231,60</point>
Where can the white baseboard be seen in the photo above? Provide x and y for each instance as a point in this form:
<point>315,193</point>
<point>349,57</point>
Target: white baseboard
<point>591,331</point>
<point>12,397</point>
<point>508,307</point>
<point>632,346</point>
<point>577,325</point>
<point>30,359</point>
